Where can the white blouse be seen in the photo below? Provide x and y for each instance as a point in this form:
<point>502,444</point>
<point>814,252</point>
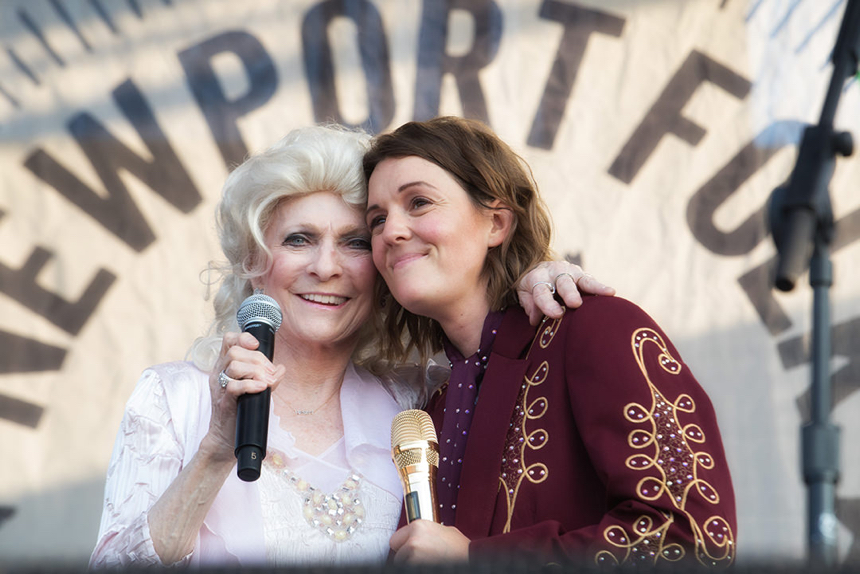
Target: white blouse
<point>288,516</point>
<point>318,510</point>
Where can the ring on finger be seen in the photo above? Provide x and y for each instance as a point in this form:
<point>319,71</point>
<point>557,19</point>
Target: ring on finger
<point>223,379</point>
<point>572,278</point>
<point>547,283</point>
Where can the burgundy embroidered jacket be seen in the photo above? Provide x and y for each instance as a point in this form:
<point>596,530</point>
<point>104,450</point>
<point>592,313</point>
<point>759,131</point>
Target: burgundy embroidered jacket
<point>592,440</point>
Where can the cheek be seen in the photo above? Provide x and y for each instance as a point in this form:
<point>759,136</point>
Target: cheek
<point>436,230</point>
<point>281,270</point>
<point>364,273</point>
<point>378,252</point>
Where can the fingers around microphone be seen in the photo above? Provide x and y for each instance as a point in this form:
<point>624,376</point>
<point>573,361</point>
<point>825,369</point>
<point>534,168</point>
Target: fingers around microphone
<point>248,341</point>
<point>241,377</point>
<point>249,382</point>
<point>245,369</point>
<point>232,340</point>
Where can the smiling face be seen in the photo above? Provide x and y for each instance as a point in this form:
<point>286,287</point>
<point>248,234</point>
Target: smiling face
<point>322,274</point>
<point>429,239</point>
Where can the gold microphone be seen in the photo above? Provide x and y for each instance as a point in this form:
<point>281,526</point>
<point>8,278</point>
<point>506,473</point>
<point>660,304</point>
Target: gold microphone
<point>415,452</point>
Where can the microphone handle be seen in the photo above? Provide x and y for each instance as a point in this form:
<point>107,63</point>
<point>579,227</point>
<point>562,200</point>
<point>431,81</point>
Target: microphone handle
<point>419,496</point>
<point>252,414</point>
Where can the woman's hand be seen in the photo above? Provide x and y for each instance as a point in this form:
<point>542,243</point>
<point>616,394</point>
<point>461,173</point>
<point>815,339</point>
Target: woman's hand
<point>537,288</point>
<point>176,517</point>
<point>425,541</point>
<point>247,371</point>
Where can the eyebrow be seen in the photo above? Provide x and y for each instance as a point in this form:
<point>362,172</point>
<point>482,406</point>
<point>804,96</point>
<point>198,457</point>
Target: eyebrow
<point>354,231</point>
<point>401,189</point>
<point>347,231</point>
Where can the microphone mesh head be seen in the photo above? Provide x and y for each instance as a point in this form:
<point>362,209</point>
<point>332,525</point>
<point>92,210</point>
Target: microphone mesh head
<point>412,456</point>
<point>259,307</point>
<point>410,426</point>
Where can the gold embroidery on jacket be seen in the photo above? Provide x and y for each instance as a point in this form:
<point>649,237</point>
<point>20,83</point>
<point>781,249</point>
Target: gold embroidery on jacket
<point>519,438</point>
<point>547,331</point>
<point>667,448</point>
<point>646,544</point>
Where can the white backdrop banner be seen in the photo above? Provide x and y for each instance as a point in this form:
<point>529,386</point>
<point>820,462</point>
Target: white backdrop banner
<point>656,129</point>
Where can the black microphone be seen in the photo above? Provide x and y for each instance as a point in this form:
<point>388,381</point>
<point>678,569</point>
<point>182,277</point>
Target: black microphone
<point>415,452</point>
<point>259,315</point>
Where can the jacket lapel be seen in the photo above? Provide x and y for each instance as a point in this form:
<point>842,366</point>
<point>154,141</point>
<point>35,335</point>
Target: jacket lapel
<point>480,475</point>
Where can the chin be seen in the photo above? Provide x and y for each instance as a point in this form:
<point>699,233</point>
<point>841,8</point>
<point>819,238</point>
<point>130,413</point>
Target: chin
<point>412,293</point>
<point>403,295</point>
<point>418,305</point>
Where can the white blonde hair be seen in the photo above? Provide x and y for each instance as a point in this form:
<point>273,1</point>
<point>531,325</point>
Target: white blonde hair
<point>307,160</point>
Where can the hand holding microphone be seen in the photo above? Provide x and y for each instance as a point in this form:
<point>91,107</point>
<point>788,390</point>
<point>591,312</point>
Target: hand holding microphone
<point>415,452</point>
<point>260,316</point>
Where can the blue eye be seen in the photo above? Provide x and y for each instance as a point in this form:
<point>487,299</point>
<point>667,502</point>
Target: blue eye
<point>359,243</point>
<point>295,240</point>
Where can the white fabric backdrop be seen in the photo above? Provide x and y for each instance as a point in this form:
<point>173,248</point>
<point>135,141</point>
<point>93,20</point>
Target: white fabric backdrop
<point>656,130</point>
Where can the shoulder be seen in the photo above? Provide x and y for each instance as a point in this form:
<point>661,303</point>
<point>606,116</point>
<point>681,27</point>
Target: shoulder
<point>178,371</point>
<point>174,380</point>
<point>610,334</point>
<point>600,308</point>
<point>601,328</point>
<point>174,394</point>
<point>605,317</point>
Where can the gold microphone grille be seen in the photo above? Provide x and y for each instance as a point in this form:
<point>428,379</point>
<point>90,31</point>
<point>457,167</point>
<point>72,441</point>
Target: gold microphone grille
<point>412,456</point>
<point>412,425</point>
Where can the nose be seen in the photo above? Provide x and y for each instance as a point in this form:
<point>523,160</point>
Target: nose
<point>396,227</point>
<point>327,263</point>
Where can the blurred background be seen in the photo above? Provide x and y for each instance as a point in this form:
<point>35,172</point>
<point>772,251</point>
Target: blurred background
<point>656,129</point>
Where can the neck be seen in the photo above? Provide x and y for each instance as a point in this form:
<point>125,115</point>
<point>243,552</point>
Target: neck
<point>313,373</point>
<point>463,328</point>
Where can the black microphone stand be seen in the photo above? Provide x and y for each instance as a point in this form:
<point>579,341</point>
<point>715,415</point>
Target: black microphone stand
<point>802,222</point>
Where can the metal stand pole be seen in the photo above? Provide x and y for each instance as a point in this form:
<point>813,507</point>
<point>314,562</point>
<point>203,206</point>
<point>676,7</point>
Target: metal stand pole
<point>820,438</point>
<point>802,223</point>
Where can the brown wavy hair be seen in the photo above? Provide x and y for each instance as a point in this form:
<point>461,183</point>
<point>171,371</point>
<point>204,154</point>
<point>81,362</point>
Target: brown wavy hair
<point>488,170</point>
